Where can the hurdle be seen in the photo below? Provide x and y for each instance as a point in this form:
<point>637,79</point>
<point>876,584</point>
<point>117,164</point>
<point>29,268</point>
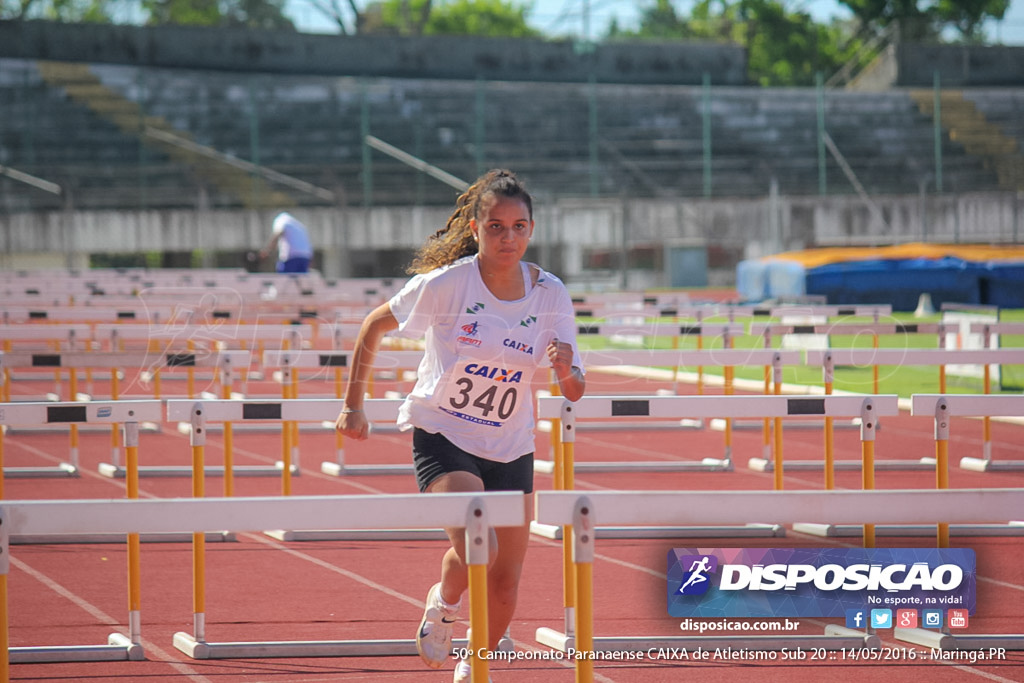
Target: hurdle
<point>675,330</point>
<point>689,409</point>
<point>581,511</point>
<point>609,407</point>
<point>876,329</point>
<point>937,405</point>
<point>942,408</point>
<point>69,334</point>
<point>291,362</point>
<point>202,413</point>
<point>990,332</point>
<point>129,414</point>
<point>9,360</point>
<point>476,512</point>
<point>223,361</point>
<point>830,358</point>
<point>85,314</point>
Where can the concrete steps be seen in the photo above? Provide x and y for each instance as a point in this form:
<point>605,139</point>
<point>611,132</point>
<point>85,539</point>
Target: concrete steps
<point>969,127</point>
<point>78,81</point>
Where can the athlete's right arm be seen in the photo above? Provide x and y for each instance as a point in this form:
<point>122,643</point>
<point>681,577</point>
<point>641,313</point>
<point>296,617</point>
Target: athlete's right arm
<point>352,421</point>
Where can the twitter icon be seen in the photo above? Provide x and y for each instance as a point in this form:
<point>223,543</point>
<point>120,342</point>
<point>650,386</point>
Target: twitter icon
<point>881,618</point>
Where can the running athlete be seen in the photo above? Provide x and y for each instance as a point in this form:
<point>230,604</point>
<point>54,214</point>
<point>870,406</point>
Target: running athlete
<point>489,320</point>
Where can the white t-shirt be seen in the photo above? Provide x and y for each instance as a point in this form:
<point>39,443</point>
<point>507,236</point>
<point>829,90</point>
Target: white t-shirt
<point>294,242</point>
<point>474,382</point>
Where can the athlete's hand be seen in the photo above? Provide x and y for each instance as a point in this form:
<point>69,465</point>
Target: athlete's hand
<point>560,355</point>
<point>353,425</point>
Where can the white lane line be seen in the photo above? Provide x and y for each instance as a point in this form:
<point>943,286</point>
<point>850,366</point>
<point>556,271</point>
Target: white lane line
<point>104,618</point>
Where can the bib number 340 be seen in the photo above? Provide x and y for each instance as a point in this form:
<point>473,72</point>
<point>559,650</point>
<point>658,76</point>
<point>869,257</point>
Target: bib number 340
<point>470,397</point>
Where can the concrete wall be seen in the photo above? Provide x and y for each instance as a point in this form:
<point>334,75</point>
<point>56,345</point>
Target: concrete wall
<point>959,66</point>
<point>373,55</point>
<point>732,229</point>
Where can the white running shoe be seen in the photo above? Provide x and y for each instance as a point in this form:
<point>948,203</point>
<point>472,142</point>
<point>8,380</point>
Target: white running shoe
<point>464,672</point>
<point>434,639</point>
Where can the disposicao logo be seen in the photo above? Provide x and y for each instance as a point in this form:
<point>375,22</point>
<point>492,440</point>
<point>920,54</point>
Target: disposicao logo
<point>697,580</point>
<point>818,582</point>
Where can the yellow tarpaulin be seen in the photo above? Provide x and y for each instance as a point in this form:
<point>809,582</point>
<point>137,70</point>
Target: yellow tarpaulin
<point>812,258</point>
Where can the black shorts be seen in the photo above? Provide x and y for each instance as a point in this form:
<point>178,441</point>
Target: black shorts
<point>433,455</point>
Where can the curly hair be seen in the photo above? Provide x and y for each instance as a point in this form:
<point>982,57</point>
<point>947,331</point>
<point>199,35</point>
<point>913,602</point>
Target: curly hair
<point>455,239</point>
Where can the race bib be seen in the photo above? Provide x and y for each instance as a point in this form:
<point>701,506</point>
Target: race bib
<point>482,394</point>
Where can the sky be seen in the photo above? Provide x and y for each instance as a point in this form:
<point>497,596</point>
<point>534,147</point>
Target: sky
<point>566,17</point>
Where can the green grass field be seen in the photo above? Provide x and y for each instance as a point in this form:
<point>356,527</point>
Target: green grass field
<point>901,380</point>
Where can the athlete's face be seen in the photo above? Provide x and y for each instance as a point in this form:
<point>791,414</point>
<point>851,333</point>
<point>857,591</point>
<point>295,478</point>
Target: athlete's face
<point>503,229</point>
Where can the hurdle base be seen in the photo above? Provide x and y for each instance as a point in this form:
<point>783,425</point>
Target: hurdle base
<point>851,640</point>
<point>61,471</point>
<point>358,535</point>
<point>168,537</point>
<point>339,470</point>
<point>764,465</point>
<point>554,532</point>
<point>705,465</point>
<point>937,640</point>
<point>870,640</point>
<point>556,640</point>
<point>119,648</point>
<point>186,643</point>
<point>117,472</point>
<point>983,465</point>
<point>851,530</point>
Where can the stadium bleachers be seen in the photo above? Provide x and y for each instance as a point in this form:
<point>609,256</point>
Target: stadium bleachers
<point>649,139</point>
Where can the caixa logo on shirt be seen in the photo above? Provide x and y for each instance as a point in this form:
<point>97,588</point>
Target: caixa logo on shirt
<point>518,346</point>
<point>816,582</point>
<point>494,372</point>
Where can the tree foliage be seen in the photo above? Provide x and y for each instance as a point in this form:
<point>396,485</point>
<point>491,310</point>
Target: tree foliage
<point>926,19</point>
<point>258,14</point>
<point>494,18</point>
<point>261,14</point>
<point>90,11</point>
<point>783,47</point>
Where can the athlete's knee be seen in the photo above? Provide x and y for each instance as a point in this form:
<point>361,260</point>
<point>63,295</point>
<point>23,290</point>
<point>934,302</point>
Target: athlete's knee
<point>503,582</point>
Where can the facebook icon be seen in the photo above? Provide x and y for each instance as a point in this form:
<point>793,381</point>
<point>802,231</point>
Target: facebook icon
<point>856,618</point>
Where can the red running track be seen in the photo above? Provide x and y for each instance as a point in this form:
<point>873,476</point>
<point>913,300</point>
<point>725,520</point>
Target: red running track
<point>259,589</point>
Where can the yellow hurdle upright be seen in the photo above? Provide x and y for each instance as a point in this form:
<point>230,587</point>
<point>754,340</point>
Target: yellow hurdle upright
<point>477,556</point>
<point>583,562</point>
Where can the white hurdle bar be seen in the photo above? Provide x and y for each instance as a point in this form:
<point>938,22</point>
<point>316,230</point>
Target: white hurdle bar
<point>777,407</point>
<point>300,410</point>
<point>698,330</point>
<point>674,358</point>
<point>582,511</point>
<point>36,421</point>
<point>475,511</point>
<point>322,361</point>
<point>695,358</point>
<point>830,358</point>
<point>680,408</point>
